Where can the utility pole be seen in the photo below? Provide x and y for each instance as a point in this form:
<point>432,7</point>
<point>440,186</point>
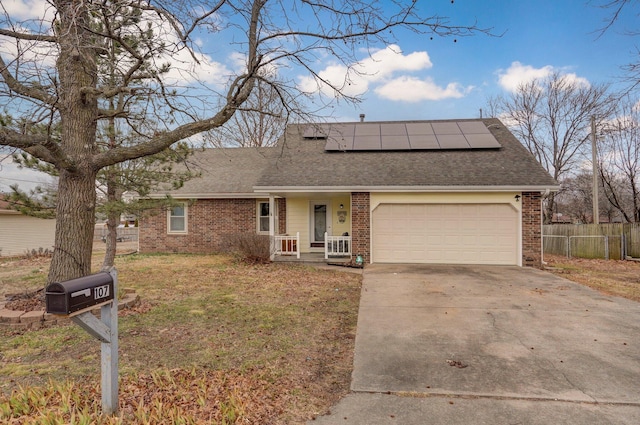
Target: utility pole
<point>594,162</point>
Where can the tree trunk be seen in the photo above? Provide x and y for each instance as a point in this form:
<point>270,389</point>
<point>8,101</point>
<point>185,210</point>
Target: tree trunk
<point>113,219</point>
<point>111,241</point>
<point>75,212</point>
<point>549,208</point>
<point>74,226</point>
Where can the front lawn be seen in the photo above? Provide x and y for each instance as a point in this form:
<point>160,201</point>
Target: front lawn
<point>213,341</point>
<point>613,277</point>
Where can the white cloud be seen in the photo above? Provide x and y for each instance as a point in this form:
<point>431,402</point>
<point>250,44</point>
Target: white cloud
<point>411,89</point>
<point>385,62</point>
<point>518,74</point>
<point>185,70</point>
<point>27,9</point>
<point>186,67</point>
<point>379,67</point>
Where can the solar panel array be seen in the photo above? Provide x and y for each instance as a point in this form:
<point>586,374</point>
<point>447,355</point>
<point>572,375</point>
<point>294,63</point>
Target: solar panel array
<point>404,136</point>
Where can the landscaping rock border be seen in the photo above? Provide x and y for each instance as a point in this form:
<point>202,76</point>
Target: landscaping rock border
<point>38,319</point>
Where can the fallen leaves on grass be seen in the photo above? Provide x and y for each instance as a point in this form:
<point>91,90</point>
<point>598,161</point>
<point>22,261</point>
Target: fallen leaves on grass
<point>613,277</point>
<point>288,331</point>
<point>161,397</point>
<point>457,363</point>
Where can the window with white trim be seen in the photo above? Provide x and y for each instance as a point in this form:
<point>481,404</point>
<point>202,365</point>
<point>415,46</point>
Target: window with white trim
<point>263,217</point>
<point>177,219</point>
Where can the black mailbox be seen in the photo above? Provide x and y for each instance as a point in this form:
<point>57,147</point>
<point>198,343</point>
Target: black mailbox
<point>78,294</point>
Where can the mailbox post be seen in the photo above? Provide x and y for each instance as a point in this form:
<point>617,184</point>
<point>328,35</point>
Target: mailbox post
<point>75,299</point>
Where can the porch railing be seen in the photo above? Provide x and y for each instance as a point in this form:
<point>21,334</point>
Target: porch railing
<point>337,246</point>
<point>287,245</point>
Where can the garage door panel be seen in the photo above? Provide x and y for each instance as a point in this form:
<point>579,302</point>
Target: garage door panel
<point>445,233</point>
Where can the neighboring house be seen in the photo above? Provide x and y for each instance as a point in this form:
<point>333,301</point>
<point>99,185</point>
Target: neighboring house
<point>20,233</point>
<point>455,192</point>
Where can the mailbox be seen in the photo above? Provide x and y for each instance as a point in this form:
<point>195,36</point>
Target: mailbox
<point>79,294</point>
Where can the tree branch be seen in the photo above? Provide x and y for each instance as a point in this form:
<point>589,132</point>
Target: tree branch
<point>32,92</point>
<point>29,37</point>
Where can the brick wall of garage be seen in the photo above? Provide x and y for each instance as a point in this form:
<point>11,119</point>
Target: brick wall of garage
<point>361,225</point>
<point>209,223</point>
<point>532,229</point>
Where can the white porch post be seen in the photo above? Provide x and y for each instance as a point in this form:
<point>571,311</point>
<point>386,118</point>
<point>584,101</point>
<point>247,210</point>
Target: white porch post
<point>326,246</point>
<point>272,226</point>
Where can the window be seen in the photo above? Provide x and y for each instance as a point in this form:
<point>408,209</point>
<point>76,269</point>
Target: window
<point>177,219</point>
<point>263,217</point>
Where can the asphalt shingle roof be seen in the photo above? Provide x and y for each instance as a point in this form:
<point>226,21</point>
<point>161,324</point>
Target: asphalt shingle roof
<point>224,171</point>
<point>304,163</point>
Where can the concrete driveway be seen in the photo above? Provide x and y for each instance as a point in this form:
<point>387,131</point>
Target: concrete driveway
<point>495,345</point>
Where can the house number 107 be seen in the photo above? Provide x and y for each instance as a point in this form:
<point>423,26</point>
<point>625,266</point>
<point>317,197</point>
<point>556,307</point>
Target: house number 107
<point>100,292</point>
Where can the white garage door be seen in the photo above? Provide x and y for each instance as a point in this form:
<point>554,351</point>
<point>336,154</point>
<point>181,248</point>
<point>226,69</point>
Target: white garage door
<point>445,233</point>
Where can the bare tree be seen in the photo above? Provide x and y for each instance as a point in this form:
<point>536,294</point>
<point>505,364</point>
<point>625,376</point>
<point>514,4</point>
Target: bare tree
<point>575,200</point>
<point>619,160</point>
<point>259,122</point>
<point>50,72</point>
<point>552,117</point>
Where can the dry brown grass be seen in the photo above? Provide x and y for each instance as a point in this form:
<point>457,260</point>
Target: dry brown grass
<point>283,334</point>
<point>612,277</point>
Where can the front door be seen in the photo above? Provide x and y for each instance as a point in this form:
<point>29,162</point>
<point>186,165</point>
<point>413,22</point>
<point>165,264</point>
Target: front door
<point>320,223</point>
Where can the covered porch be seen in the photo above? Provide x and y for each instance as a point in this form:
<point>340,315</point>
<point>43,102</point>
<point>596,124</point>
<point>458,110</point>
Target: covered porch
<point>313,227</point>
<point>287,248</point>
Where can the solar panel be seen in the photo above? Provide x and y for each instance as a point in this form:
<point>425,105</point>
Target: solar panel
<point>419,128</point>
<point>367,130</point>
<point>315,132</point>
<point>453,141</point>
<point>424,142</point>
<point>393,129</point>
<point>399,136</point>
<point>366,143</point>
<point>342,130</point>
<point>473,127</point>
<point>395,142</point>
<point>334,145</point>
<point>480,141</point>
<point>441,128</point>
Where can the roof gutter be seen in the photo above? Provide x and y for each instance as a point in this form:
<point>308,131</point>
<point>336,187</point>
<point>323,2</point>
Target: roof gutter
<point>198,195</point>
<point>435,189</point>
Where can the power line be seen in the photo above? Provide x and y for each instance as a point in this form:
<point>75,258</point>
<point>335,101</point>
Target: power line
<point>20,180</point>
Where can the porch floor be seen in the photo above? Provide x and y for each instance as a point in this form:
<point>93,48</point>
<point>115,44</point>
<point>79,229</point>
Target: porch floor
<point>311,257</point>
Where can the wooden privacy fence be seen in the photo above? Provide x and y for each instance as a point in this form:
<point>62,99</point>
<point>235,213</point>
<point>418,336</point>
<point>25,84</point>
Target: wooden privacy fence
<point>611,241</point>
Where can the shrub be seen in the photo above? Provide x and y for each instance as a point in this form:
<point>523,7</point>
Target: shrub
<point>39,253</point>
<point>249,247</point>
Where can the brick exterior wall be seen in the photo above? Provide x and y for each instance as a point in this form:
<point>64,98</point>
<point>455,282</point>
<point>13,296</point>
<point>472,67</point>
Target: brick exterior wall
<point>209,221</point>
<point>361,225</point>
<point>532,229</point>
<point>282,215</point>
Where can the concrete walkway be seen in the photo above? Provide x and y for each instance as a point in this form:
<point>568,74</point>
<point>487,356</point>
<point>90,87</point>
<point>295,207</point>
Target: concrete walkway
<point>490,345</point>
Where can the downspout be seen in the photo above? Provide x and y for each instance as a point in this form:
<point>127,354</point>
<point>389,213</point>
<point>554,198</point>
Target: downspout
<point>542,262</point>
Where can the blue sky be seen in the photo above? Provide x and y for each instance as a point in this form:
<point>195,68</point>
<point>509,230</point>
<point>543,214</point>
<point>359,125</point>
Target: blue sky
<point>538,37</point>
<point>419,78</point>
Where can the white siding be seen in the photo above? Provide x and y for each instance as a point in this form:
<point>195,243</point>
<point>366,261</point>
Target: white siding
<point>20,233</point>
<point>298,220</point>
